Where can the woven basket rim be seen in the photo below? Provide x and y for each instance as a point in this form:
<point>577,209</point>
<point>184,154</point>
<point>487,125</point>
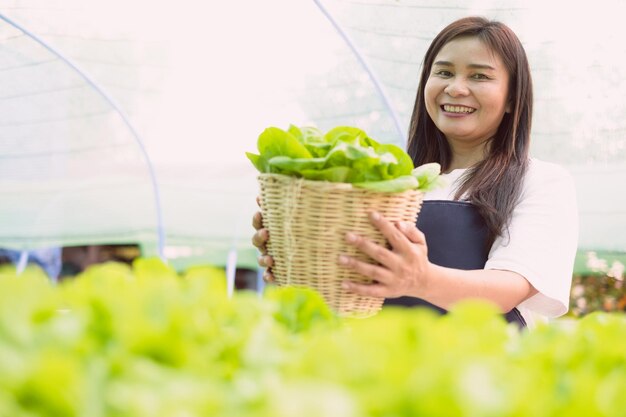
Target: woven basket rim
<point>344,186</point>
<point>305,180</point>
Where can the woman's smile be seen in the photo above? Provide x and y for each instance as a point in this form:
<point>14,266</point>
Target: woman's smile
<point>456,110</point>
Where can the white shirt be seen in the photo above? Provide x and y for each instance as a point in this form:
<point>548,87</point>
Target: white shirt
<point>542,239</point>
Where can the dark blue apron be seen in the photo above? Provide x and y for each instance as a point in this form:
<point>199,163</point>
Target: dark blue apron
<point>456,235</point>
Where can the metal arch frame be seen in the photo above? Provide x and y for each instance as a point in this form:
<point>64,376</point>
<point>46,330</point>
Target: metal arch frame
<point>368,69</point>
<point>116,108</point>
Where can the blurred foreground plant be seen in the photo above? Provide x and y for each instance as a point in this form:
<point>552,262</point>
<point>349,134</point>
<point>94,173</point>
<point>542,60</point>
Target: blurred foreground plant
<point>146,341</point>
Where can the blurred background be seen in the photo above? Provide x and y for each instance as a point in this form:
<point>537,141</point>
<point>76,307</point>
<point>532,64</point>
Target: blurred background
<point>123,124</point>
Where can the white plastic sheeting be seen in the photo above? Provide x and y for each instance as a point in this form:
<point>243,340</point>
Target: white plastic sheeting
<point>199,82</point>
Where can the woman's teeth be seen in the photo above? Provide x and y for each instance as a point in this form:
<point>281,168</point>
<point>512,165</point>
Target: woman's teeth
<point>458,109</point>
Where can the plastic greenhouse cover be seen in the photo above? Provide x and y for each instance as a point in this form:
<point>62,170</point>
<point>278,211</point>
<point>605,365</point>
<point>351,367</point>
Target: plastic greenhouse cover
<point>198,83</point>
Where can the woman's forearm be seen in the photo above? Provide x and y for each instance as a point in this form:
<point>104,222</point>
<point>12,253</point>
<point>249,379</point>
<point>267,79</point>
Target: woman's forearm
<point>446,286</point>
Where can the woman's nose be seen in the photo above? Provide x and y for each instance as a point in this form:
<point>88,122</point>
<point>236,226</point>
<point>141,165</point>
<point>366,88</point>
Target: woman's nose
<point>456,87</point>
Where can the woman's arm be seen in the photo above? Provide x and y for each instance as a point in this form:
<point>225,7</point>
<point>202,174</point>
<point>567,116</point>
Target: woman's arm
<point>505,288</point>
<point>406,271</point>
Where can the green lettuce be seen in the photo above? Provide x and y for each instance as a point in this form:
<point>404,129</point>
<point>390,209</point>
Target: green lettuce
<point>428,176</point>
<point>343,154</point>
<point>276,142</point>
<point>122,341</point>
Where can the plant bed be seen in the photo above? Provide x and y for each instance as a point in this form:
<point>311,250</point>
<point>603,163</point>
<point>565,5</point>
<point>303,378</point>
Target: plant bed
<point>122,342</point>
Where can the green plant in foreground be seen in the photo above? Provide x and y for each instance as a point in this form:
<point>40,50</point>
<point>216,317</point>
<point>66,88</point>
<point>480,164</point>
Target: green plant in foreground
<point>344,154</point>
<point>147,341</point>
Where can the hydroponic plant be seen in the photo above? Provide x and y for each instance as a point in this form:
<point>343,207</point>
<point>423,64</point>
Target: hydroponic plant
<point>147,341</point>
<point>343,154</point>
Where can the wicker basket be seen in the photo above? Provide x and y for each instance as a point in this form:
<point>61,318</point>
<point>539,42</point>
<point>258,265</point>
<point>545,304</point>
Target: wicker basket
<point>307,222</point>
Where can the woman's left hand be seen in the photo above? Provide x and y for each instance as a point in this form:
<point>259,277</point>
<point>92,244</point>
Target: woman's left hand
<point>404,270</point>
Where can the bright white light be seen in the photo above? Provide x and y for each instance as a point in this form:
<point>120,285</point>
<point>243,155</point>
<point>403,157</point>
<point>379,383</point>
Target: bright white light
<point>233,67</point>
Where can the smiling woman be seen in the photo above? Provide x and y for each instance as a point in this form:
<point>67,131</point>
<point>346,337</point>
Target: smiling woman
<point>473,116</point>
<point>482,65</point>
<point>490,234</point>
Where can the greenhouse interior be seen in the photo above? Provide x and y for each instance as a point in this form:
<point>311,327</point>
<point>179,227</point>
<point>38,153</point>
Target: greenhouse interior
<point>129,282</point>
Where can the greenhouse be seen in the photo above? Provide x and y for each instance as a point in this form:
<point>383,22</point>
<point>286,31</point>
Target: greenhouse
<point>129,283</point>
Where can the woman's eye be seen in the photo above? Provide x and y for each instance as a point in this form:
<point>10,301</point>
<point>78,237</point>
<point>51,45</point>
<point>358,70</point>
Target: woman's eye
<point>480,77</point>
<point>443,73</point>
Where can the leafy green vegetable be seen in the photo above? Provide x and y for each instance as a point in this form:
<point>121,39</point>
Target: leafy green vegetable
<point>145,341</point>
<point>348,134</point>
<point>428,176</point>
<point>300,308</point>
<point>276,142</point>
<point>335,174</point>
<point>404,164</point>
<point>343,154</point>
<point>288,165</point>
<point>395,185</point>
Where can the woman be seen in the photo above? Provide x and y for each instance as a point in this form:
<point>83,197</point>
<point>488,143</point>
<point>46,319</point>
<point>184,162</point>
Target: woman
<point>505,229</point>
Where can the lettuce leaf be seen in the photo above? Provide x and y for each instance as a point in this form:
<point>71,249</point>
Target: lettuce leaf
<point>276,142</point>
<point>428,176</point>
<point>343,154</point>
<point>403,164</point>
<point>406,182</point>
<point>334,174</point>
<point>296,165</point>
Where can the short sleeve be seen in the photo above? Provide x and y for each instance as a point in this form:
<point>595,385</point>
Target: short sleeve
<point>542,238</point>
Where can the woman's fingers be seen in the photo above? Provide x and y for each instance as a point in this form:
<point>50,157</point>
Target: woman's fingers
<point>260,238</point>
<point>257,220</point>
<point>268,277</point>
<point>377,252</point>
<point>395,237</point>
<point>266,261</point>
<point>411,232</point>
<point>375,272</point>
<point>400,270</point>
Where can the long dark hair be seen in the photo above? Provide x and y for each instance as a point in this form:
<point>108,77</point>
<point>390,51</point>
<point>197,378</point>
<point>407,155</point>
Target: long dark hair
<point>494,184</point>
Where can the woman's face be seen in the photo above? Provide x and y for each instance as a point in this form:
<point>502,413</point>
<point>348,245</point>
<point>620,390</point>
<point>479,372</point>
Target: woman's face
<point>467,91</point>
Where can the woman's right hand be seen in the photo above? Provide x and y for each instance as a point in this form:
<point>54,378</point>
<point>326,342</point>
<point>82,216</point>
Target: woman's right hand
<point>259,239</point>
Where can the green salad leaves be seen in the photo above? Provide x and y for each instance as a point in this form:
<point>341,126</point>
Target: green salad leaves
<point>343,154</point>
<point>145,340</point>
